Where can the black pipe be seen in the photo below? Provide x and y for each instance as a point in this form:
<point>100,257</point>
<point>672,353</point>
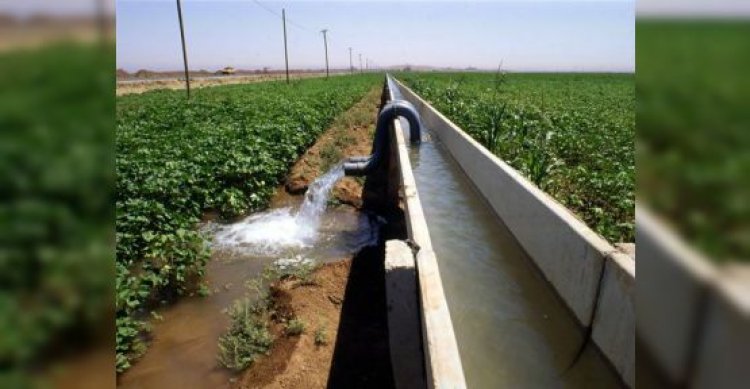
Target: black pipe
<point>363,165</point>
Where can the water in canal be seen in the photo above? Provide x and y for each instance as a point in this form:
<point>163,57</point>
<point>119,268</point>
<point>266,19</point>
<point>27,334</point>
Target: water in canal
<point>512,330</point>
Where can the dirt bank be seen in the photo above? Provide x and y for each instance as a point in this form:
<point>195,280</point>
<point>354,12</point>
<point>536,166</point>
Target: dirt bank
<point>345,341</point>
<point>349,135</point>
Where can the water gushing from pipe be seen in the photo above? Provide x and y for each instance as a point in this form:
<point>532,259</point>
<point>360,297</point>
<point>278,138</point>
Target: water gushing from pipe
<point>272,232</point>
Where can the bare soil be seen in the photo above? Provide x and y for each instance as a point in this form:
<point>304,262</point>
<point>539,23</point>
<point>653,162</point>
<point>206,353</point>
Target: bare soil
<point>130,86</point>
<point>297,361</point>
<point>350,135</point>
<point>346,300</point>
<point>40,31</point>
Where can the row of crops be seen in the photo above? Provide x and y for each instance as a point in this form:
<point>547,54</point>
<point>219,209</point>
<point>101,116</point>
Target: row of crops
<point>225,151</point>
<point>571,134</point>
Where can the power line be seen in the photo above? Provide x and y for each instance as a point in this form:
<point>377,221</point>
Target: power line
<point>267,8</point>
<point>275,13</point>
<point>286,20</point>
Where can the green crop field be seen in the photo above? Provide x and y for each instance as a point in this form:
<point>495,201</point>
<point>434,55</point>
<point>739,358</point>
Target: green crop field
<point>225,150</point>
<point>693,137</point>
<point>56,212</point>
<point>571,134</point>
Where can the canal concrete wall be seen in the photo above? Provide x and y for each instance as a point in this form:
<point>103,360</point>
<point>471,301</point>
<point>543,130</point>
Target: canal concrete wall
<point>594,279</point>
<point>693,318</point>
<point>404,329</point>
<point>439,349</point>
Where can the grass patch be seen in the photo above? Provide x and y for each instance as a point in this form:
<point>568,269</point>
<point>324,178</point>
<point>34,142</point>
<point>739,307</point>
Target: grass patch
<point>330,154</point>
<point>321,336</point>
<point>294,327</point>
<point>249,336</point>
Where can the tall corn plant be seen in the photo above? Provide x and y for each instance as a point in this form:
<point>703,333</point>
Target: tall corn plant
<point>496,112</point>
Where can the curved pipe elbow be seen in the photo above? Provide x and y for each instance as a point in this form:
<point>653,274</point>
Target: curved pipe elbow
<point>356,168</point>
<point>359,166</point>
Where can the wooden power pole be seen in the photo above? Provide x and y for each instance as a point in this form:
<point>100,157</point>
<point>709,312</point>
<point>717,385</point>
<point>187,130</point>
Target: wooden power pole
<point>351,65</point>
<point>325,43</point>
<point>184,49</point>
<point>286,52</point>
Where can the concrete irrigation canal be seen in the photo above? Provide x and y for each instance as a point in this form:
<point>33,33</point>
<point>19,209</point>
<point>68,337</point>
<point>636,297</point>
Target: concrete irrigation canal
<point>535,297</point>
<point>462,274</point>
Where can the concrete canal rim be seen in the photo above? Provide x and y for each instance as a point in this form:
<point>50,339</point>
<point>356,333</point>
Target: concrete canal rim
<point>594,280</point>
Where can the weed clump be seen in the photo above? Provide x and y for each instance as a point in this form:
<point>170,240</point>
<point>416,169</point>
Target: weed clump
<point>294,327</point>
<point>321,337</point>
<point>248,336</point>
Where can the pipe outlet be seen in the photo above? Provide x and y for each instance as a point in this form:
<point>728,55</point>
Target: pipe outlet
<point>363,165</point>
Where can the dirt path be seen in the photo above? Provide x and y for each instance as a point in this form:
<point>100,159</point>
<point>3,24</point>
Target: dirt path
<point>125,87</point>
<point>349,135</point>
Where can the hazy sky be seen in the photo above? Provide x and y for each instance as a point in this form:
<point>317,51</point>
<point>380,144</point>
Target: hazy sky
<point>551,35</point>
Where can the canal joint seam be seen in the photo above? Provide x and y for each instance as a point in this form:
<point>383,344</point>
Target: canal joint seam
<point>607,255</point>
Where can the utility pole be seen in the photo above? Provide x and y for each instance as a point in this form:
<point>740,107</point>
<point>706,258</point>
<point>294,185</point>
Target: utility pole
<point>184,49</point>
<point>351,64</point>
<point>360,63</point>
<point>101,21</point>
<point>325,43</point>
<point>286,53</point>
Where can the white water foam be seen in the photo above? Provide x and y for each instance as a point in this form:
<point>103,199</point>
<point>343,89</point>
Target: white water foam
<point>278,230</point>
<point>293,262</point>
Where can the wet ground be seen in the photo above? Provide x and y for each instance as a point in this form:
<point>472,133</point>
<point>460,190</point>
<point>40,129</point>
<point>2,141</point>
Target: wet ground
<point>184,347</point>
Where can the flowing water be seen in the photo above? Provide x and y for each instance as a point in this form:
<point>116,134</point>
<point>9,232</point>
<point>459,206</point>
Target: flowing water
<point>184,344</point>
<point>279,230</point>
<point>511,328</point>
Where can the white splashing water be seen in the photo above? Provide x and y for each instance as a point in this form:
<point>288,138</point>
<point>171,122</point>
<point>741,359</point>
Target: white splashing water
<point>278,230</point>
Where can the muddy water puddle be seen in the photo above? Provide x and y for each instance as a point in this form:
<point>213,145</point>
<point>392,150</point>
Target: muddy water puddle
<point>183,349</point>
